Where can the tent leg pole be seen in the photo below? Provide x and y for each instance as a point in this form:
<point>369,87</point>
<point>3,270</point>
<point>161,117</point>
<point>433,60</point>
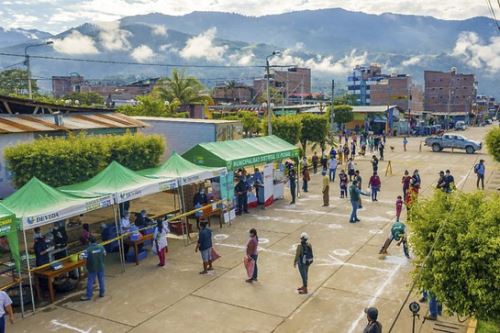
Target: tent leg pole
<point>21,296</point>
<point>120,241</point>
<point>183,210</point>
<point>29,270</point>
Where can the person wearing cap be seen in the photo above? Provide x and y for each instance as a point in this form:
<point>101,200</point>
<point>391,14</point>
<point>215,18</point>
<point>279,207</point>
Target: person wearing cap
<point>303,259</point>
<point>480,170</point>
<point>355,194</point>
<point>95,268</point>
<point>373,325</point>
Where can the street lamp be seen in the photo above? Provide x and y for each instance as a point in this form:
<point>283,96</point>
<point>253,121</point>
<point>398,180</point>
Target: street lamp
<point>269,126</point>
<point>28,65</point>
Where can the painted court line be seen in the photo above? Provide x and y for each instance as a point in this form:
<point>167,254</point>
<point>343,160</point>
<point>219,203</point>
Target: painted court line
<point>57,323</point>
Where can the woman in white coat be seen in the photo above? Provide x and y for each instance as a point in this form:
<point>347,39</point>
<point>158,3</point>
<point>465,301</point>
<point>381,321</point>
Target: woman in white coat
<point>160,241</point>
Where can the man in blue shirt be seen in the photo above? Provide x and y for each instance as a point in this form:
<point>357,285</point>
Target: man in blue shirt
<point>258,183</point>
<point>205,246</point>
<point>480,170</point>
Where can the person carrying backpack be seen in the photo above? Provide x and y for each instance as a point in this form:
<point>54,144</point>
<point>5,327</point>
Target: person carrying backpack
<point>303,259</point>
<point>480,170</point>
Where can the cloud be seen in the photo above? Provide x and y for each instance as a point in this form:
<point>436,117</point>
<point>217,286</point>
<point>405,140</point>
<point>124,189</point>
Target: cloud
<point>142,53</point>
<point>75,43</point>
<point>112,38</point>
<point>159,30</point>
<point>242,58</point>
<point>202,47</point>
<point>322,64</point>
<point>415,60</point>
<point>476,53</point>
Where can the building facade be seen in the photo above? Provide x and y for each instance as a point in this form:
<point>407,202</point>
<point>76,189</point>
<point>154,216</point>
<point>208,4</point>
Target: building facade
<point>65,85</point>
<point>397,89</point>
<point>240,94</point>
<point>292,82</point>
<point>360,81</point>
<point>449,91</point>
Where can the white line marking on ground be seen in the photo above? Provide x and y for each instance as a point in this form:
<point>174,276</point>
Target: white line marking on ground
<point>57,323</point>
<point>221,237</point>
<point>379,292</point>
<point>341,252</point>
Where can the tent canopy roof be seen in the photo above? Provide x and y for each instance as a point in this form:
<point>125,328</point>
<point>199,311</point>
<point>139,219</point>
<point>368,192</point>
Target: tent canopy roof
<point>121,182</point>
<point>5,213</point>
<point>36,203</point>
<point>178,167</point>
<point>234,154</point>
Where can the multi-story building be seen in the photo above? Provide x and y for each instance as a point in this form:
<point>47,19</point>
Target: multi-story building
<point>447,92</point>
<point>64,85</point>
<point>240,94</point>
<point>360,81</point>
<point>291,82</point>
<point>399,90</point>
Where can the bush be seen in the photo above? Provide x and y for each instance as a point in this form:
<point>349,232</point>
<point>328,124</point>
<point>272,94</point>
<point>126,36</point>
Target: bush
<point>493,143</point>
<point>462,270</point>
<point>288,128</point>
<point>63,161</point>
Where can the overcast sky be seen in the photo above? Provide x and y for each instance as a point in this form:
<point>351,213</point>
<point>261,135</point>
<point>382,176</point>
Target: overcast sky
<point>58,15</point>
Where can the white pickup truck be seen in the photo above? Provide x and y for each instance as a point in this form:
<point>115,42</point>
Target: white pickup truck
<point>455,141</point>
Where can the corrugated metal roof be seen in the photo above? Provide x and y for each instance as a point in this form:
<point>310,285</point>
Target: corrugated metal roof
<point>372,108</point>
<point>71,122</point>
<point>185,120</point>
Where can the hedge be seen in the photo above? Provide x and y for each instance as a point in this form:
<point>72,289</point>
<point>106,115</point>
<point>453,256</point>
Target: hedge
<point>62,161</point>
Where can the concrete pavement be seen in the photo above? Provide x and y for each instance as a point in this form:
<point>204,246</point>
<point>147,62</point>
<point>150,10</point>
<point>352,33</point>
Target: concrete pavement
<point>347,274</point>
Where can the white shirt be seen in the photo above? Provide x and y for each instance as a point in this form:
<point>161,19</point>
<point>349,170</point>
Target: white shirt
<point>332,163</point>
<point>124,224</point>
<point>4,301</point>
<point>162,238</point>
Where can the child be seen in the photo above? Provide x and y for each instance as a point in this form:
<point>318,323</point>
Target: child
<point>343,184</point>
<point>350,169</point>
<point>398,233</point>
<point>399,207</point>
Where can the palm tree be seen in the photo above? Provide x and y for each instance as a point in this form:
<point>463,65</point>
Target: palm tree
<point>186,89</point>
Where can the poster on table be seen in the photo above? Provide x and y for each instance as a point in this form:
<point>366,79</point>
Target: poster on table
<point>268,184</point>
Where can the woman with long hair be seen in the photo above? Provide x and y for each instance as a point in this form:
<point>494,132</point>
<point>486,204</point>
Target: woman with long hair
<point>160,241</point>
<point>252,252</point>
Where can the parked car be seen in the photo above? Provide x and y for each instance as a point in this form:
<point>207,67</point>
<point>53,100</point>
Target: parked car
<point>460,125</point>
<point>451,140</point>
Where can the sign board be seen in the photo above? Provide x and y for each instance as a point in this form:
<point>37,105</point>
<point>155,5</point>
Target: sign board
<point>268,184</point>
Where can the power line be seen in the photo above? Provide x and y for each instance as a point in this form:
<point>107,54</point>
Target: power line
<point>132,63</point>
<point>492,11</point>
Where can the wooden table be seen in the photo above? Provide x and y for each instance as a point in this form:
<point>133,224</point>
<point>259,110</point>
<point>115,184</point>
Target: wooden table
<point>136,244</point>
<point>50,274</point>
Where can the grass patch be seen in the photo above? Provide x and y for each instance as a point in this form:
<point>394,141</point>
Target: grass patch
<point>487,327</point>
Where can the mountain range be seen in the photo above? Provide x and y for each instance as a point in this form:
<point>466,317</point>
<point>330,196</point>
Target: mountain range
<point>330,41</point>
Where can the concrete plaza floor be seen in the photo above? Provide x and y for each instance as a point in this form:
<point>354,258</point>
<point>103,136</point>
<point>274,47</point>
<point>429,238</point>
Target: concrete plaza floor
<point>347,274</point>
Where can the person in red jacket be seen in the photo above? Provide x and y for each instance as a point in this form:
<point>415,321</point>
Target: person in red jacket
<point>375,185</point>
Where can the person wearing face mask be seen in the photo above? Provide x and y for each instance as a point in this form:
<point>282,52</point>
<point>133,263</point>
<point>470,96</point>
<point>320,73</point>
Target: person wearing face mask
<point>252,248</point>
<point>241,190</point>
<point>60,240</point>
<point>41,249</point>
<point>200,199</point>
<point>142,220</point>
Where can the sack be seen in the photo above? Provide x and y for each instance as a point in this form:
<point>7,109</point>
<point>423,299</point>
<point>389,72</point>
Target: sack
<point>476,168</point>
<point>307,255</point>
<point>214,255</point>
<point>249,264</point>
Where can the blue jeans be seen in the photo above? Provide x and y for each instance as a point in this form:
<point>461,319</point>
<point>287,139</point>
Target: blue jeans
<point>2,324</point>
<point>354,215</point>
<point>375,189</point>
<point>434,306</point>
<point>304,271</point>
<point>304,185</point>
<point>90,283</point>
<point>332,174</point>
<point>255,270</point>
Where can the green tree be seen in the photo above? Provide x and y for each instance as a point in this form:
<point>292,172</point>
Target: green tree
<point>152,106</point>
<point>314,129</point>
<point>343,114</point>
<point>288,128</point>
<point>250,122</point>
<point>493,143</point>
<point>462,269</point>
<point>185,89</point>
<point>15,81</point>
<point>85,98</point>
<point>275,95</point>
<point>346,100</point>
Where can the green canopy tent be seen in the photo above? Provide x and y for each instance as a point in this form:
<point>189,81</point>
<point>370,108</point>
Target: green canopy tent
<point>235,154</point>
<point>123,184</point>
<point>37,204</point>
<point>178,167</point>
<point>185,171</point>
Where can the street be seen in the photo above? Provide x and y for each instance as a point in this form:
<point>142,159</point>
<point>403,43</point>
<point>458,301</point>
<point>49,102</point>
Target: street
<point>347,274</point>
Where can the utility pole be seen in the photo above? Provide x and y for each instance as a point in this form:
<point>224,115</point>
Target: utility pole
<point>269,116</point>
<point>332,112</point>
<point>28,64</point>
